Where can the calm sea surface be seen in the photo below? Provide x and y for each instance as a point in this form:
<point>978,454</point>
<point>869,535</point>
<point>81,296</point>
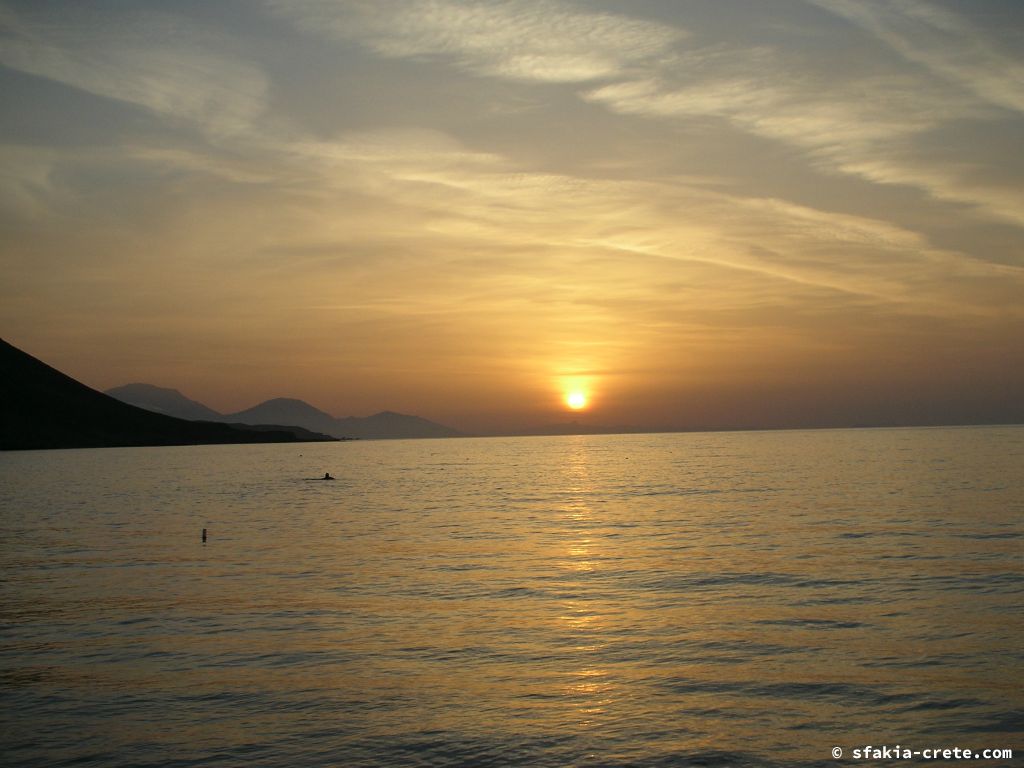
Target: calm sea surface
<point>742,599</point>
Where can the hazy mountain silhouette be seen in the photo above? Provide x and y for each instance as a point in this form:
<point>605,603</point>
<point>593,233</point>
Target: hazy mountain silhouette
<point>286,410</point>
<point>169,402</point>
<point>380,426</point>
<point>388,424</point>
<point>40,407</point>
<point>300,433</point>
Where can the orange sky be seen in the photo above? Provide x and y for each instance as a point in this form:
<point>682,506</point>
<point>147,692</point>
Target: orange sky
<point>703,214</point>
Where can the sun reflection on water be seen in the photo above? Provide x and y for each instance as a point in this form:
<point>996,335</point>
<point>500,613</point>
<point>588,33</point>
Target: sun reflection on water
<point>589,688</point>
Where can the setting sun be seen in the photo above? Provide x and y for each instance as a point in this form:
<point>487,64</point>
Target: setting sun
<point>576,400</point>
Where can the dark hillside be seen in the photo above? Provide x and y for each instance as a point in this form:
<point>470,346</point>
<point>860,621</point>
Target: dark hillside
<point>40,407</point>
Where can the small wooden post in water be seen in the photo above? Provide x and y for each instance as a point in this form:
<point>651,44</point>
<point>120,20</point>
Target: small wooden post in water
<point>204,535</point>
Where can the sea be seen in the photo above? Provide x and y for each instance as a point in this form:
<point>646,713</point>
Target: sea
<point>766,599</point>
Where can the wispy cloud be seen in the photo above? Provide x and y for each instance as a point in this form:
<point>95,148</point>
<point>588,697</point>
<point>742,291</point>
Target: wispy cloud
<point>530,40</point>
<point>471,200</point>
<point>831,119</point>
<point>379,193</point>
<point>141,59</point>
<point>857,123</point>
<point>943,42</point>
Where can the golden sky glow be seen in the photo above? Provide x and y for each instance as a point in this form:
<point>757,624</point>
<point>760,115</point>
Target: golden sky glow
<point>738,213</point>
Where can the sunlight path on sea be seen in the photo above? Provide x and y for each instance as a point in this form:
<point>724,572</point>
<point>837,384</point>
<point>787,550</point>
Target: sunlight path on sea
<point>642,600</point>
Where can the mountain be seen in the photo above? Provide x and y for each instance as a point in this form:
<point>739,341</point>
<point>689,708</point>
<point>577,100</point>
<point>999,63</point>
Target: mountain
<point>286,410</point>
<point>388,424</point>
<point>40,407</point>
<point>303,435</point>
<point>380,426</point>
<point>169,402</point>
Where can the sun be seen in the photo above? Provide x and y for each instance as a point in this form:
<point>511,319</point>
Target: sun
<point>576,400</point>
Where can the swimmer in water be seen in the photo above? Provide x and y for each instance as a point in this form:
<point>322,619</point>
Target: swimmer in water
<point>327,476</point>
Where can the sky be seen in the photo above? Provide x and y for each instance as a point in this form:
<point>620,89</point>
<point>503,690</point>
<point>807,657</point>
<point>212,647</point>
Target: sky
<point>698,214</point>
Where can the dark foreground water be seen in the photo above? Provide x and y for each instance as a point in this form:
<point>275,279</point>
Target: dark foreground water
<point>648,600</point>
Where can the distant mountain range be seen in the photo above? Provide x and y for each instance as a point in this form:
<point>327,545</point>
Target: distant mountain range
<point>283,410</point>
<point>40,407</point>
<point>169,402</point>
